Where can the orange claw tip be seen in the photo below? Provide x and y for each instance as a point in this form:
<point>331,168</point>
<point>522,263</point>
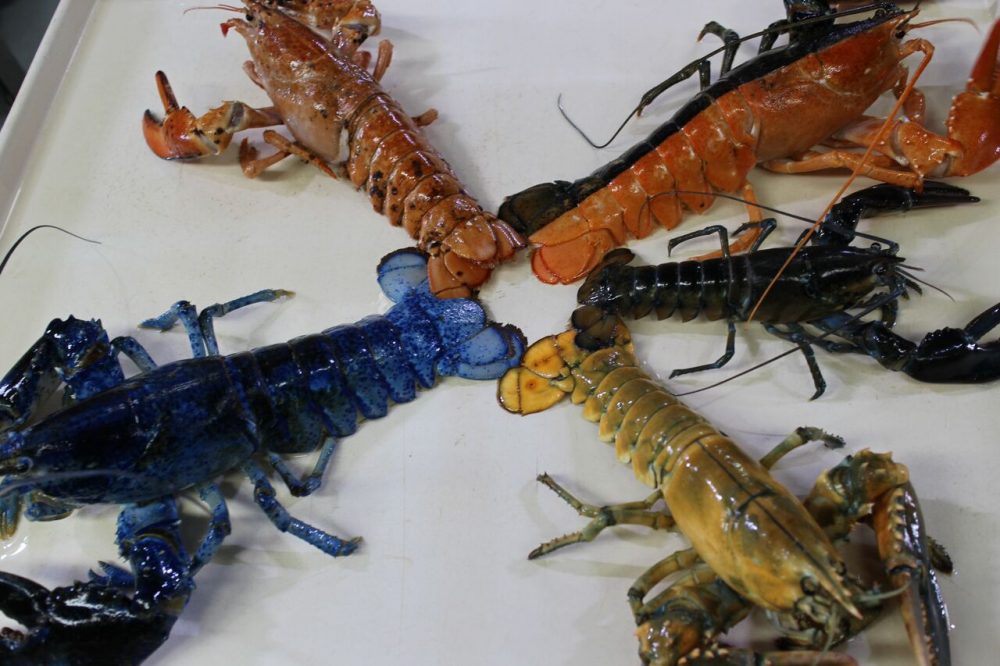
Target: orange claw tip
<point>161,140</point>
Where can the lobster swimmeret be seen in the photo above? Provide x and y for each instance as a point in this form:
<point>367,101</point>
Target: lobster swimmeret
<point>829,73</point>
<point>140,441</point>
<point>321,88</point>
<point>753,542</point>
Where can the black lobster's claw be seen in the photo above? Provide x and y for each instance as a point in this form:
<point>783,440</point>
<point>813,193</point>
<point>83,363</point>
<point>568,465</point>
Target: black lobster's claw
<point>80,625</point>
<point>945,356</point>
<point>955,355</point>
<point>839,226</point>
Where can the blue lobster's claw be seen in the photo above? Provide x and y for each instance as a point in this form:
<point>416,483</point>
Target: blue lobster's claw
<point>80,625</point>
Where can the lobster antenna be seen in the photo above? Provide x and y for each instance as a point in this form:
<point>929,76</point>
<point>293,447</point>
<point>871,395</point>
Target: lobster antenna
<point>228,8</point>
<point>843,188</point>
<point>688,70</point>
<point>782,355</point>
<point>910,276</point>
<point>733,197</point>
<point>33,229</point>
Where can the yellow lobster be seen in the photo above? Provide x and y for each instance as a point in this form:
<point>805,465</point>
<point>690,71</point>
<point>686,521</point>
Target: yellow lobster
<point>753,542</point>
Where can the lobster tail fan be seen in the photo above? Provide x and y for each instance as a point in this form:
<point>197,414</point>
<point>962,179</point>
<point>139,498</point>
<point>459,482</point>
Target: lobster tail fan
<point>531,209</point>
<point>595,328</point>
<point>486,355</point>
<point>456,319</point>
<point>598,287</point>
<point>402,272</point>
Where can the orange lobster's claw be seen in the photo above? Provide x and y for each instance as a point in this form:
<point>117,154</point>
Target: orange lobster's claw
<point>176,136</point>
<point>974,120</point>
<point>182,135</point>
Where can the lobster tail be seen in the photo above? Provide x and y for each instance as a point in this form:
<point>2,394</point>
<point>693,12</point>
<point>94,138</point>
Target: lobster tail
<point>595,328</point>
<point>401,272</point>
<point>486,355</point>
<point>599,287</point>
<point>531,209</point>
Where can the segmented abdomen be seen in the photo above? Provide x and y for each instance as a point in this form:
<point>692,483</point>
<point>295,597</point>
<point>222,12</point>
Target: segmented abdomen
<point>818,282</point>
<point>413,186</point>
<point>709,145</point>
<point>323,383</point>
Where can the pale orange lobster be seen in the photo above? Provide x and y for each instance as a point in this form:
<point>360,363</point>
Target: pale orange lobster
<point>827,76</point>
<point>321,88</point>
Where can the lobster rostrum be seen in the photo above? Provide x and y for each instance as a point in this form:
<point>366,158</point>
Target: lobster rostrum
<point>818,284</point>
<point>753,543</point>
<point>321,89</point>
<point>140,441</point>
<point>829,72</point>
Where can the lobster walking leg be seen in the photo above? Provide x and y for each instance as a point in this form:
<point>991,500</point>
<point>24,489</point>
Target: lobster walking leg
<point>201,336</point>
<point>200,327</point>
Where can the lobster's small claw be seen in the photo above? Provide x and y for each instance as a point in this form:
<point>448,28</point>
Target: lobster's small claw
<point>82,624</point>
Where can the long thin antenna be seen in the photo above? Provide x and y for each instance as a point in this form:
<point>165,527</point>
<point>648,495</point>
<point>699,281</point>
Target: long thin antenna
<point>21,238</point>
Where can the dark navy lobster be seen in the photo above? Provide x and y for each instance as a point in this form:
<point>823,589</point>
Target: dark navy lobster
<point>814,287</point>
<point>140,441</point>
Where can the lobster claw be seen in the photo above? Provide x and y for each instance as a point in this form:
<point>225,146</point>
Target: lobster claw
<point>910,558</point>
<point>82,624</point>
<point>181,135</point>
<point>955,355</point>
<point>177,135</point>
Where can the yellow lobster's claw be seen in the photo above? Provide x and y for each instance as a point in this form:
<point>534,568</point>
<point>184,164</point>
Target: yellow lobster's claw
<point>910,558</point>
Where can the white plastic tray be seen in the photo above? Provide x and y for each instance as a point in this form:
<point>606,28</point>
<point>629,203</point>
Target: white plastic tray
<point>443,489</point>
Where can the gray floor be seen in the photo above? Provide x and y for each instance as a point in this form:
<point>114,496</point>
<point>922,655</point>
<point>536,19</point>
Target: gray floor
<point>22,25</point>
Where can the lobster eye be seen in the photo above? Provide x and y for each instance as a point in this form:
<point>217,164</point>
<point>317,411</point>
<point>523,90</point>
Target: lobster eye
<point>809,586</point>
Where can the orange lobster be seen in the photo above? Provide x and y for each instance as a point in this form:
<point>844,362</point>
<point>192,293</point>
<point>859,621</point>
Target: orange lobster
<point>829,74</point>
<point>320,88</point>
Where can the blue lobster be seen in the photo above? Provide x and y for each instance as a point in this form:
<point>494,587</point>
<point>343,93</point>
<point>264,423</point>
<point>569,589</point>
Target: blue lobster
<point>140,441</point>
